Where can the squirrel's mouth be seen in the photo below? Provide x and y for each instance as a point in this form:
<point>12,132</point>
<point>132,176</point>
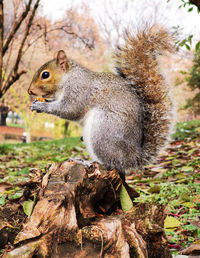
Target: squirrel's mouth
<point>49,97</point>
<point>45,99</point>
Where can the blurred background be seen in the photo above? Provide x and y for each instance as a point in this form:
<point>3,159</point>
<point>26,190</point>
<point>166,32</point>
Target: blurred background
<point>32,31</point>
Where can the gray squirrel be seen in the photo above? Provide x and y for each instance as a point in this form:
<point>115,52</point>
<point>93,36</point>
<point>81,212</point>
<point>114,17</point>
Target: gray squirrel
<point>127,117</point>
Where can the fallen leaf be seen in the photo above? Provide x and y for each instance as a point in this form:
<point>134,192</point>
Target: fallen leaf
<point>154,189</point>
<point>187,169</point>
<point>125,199</point>
<point>28,207</point>
<point>188,204</point>
<point>4,186</point>
<point>193,249</point>
<point>171,223</point>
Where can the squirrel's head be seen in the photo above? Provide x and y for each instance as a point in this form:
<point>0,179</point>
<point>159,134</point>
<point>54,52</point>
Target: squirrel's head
<point>46,80</point>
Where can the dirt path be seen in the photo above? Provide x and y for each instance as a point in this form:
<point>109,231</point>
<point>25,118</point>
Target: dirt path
<point>16,133</point>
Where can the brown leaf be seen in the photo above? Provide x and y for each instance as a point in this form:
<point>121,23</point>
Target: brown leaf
<point>4,187</point>
<point>193,249</point>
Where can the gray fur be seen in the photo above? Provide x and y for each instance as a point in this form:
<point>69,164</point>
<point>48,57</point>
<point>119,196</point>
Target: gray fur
<point>126,118</point>
<point>116,131</point>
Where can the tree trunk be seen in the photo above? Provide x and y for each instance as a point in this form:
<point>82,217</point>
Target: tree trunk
<point>66,128</point>
<point>28,136</point>
<point>78,214</point>
<point>3,114</point>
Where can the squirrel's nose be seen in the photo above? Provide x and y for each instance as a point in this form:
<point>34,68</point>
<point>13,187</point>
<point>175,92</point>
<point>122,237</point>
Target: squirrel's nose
<point>30,92</point>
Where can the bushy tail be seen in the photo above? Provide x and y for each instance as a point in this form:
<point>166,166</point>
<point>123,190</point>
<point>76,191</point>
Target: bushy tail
<point>138,61</point>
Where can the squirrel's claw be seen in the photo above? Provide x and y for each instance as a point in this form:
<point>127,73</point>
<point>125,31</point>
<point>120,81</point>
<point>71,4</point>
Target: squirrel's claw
<point>36,106</point>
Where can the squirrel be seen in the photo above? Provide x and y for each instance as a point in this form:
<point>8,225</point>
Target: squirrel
<point>128,115</point>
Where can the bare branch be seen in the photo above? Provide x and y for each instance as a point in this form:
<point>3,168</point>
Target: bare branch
<point>12,80</point>
<point>14,74</point>
<point>16,26</point>
<point>84,40</point>
<point>67,30</point>
<point>26,35</point>
<point>6,64</point>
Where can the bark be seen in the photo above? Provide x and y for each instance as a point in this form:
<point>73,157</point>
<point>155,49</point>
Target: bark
<point>3,114</point>
<point>28,136</point>
<point>78,215</point>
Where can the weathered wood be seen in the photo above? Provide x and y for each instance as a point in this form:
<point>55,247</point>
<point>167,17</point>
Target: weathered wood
<point>78,214</point>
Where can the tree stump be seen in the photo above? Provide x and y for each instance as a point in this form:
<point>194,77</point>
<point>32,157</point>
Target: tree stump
<point>78,214</point>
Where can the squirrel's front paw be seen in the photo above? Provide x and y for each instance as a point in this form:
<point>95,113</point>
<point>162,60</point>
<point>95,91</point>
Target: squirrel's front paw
<point>37,106</point>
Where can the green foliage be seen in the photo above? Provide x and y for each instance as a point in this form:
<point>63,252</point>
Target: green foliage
<point>193,76</point>
<point>197,46</point>
<point>186,130</point>
<point>187,42</point>
<point>188,4</point>
<point>10,194</point>
<point>4,149</point>
<point>193,81</point>
<point>74,129</point>
<point>21,105</point>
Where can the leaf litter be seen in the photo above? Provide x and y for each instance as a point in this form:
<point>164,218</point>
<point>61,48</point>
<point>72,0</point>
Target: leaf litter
<point>173,180</point>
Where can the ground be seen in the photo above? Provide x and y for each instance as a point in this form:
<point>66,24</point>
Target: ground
<point>173,180</point>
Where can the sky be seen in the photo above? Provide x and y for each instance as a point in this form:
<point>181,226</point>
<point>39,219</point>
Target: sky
<point>136,12</point>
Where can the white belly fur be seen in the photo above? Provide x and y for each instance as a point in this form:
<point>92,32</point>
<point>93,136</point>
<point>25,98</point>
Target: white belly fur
<point>91,122</point>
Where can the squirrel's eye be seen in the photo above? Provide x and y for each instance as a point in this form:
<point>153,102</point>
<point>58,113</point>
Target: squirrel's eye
<point>45,75</point>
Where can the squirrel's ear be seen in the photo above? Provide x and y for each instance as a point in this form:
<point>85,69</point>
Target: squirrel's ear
<point>62,61</point>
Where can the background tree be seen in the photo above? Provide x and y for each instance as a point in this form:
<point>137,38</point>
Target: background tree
<point>193,81</point>
<point>192,76</point>
<point>78,35</point>
<point>16,29</point>
<point>195,2</point>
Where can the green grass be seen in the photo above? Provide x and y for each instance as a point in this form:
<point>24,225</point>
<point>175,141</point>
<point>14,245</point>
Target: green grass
<point>15,157</point>
<point>186,130</point>
<point>42,147</point>
<point>16,125</point>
